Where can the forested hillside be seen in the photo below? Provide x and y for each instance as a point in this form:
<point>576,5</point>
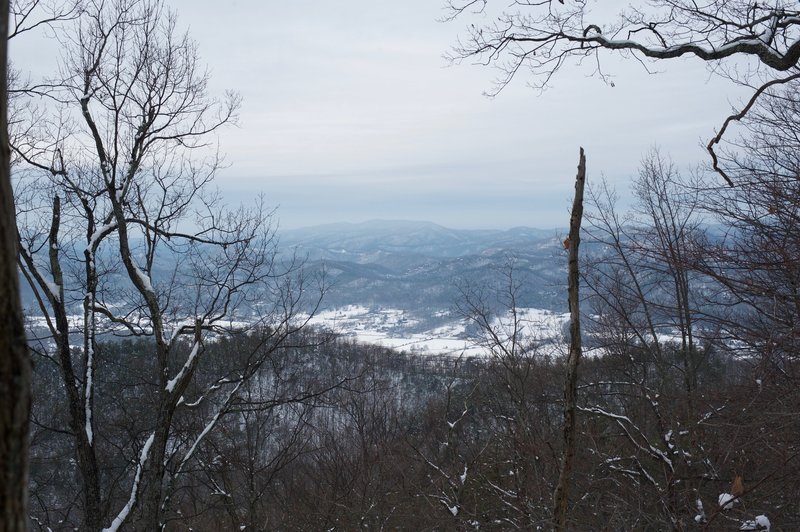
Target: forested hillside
<point>421,267</point>
<point>180,380</point>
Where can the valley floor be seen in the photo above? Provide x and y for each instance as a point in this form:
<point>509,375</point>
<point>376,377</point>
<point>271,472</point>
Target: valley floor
<point>404,330</point>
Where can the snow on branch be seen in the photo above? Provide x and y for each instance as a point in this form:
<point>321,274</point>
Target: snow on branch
<point>144,279</point>
<point>209,426</point>
<point>99,234</point>
<point>123,514</point>
<point>187,366</point>
<point>624,423</point>
<point>541,35</point>
<point>752,46</point>
<point>453,424</point>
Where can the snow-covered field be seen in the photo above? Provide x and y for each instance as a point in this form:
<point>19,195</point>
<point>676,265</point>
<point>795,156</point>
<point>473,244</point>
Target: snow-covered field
<point>400,329</point>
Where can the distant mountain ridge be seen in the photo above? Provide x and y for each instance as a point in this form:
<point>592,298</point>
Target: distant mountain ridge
<point>417,267</point>
<point>422,266</point>
<point>408,237</point>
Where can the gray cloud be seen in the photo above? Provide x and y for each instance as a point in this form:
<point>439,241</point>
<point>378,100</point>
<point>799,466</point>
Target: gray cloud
<point>351,113</point>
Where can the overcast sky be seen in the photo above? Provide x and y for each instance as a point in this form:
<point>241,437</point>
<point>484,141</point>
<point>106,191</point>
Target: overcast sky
<point>350,113</point>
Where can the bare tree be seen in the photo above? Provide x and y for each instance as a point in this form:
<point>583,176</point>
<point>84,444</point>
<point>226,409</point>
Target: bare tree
<point>28,15</point>
<point>561,495</point>
<point>15,370</point>
<point>541,36</point>
<point>756,258</point>
<point>117,220</point>
<point>676,371</point>
<point>518,399</point>
<point>643,300</point>
<point>665,242</point>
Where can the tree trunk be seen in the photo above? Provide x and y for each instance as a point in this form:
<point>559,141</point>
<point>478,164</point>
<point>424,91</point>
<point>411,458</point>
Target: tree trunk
<point>78,422</point>
<point>15,369</point>
<point>570,388</point>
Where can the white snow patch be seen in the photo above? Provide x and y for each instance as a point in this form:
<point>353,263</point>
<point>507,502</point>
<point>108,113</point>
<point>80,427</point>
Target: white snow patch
<point>400,329</point>
<point>761,522</point>
<point>727,500</point>
<point>701,513</point>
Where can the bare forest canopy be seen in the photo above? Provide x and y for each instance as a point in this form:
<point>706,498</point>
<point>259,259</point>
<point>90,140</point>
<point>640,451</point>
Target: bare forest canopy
<point>178,385</point>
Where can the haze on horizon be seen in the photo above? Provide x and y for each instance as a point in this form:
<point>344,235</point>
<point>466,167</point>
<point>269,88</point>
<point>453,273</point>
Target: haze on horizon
<point>350,113</point>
